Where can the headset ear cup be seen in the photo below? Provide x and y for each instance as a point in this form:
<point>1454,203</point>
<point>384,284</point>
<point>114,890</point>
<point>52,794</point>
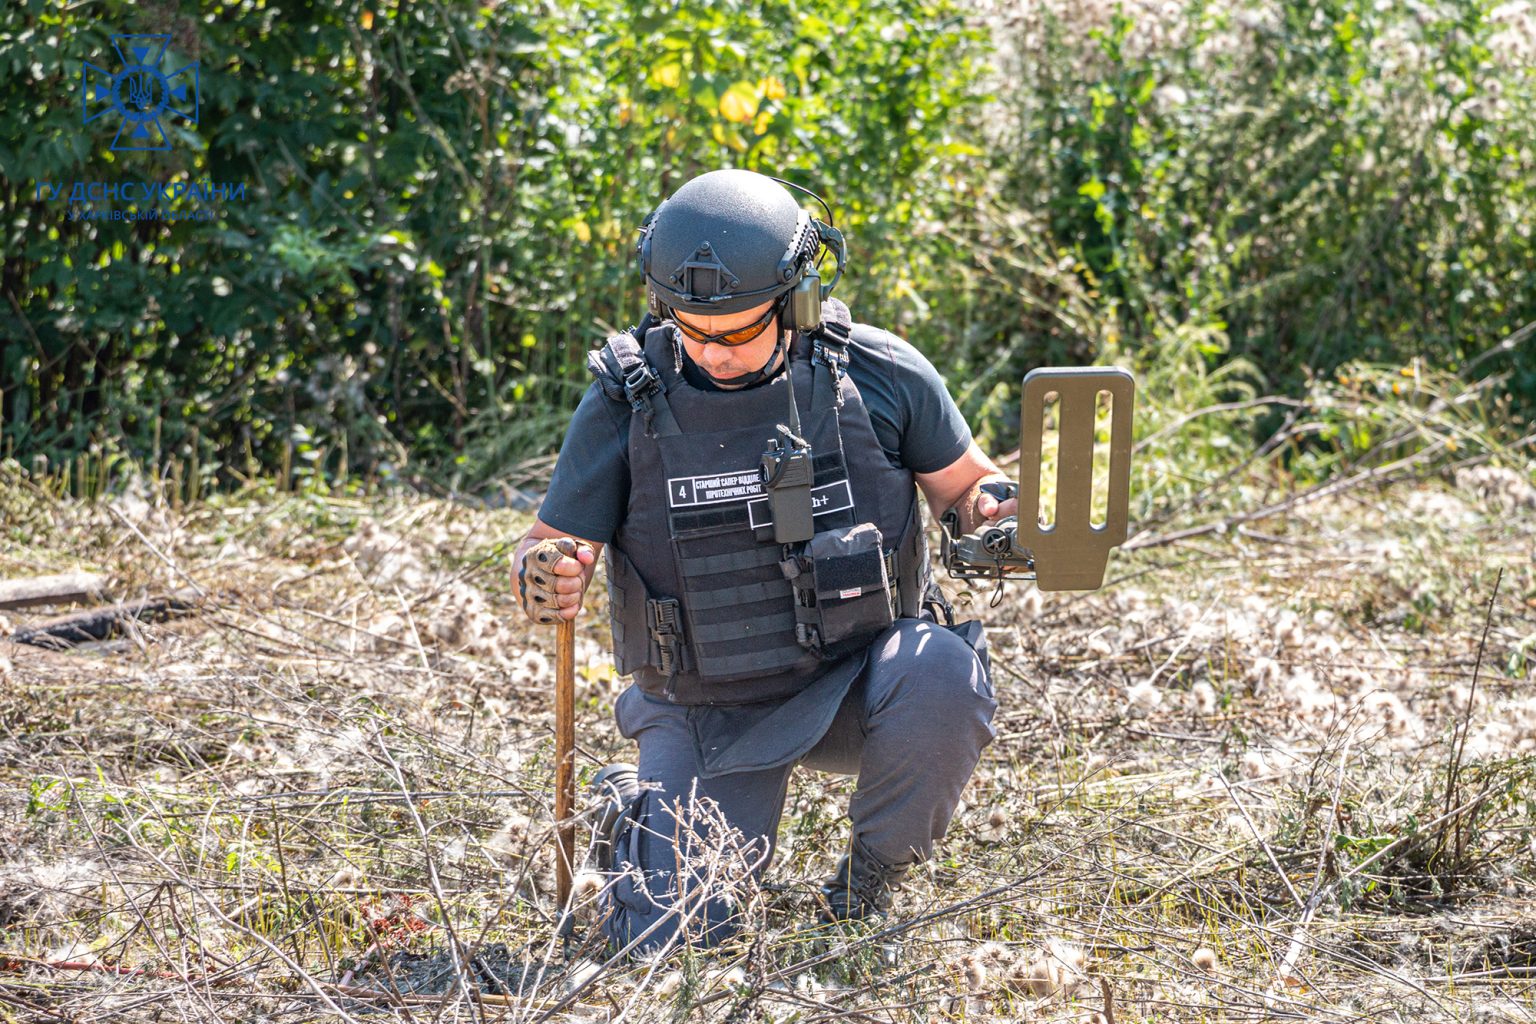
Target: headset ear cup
<point>806,295</point>
<point>806,301</point>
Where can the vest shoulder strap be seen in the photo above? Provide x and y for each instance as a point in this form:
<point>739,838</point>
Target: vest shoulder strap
<point>615,362</point>
<point>829,354</point>
<point>625,375</point>
<point>830,340</point>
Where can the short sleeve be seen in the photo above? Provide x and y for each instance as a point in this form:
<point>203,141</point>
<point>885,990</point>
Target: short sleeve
<point>590,487</point>
<point>910,407</point>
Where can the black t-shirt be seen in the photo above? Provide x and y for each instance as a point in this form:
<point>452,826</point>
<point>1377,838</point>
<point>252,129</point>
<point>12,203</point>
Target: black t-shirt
<point>914,416</point>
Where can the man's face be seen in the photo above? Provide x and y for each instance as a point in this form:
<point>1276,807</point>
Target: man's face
<point>725,361</point>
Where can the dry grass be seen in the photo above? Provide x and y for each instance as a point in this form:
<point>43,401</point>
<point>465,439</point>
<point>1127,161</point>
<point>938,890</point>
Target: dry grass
<point>1220,790</point>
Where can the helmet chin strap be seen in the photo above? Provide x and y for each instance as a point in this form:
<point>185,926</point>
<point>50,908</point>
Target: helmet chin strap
<point>747,379</point>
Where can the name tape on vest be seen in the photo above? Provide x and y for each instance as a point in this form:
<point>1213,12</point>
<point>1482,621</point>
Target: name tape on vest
<point>833,497</point>
<point>737,485</point>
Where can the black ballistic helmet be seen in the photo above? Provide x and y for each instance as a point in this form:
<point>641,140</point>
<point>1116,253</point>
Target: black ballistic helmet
<point>726,241</point>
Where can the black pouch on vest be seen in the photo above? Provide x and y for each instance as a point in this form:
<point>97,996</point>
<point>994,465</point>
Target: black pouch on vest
<point>842,590</point>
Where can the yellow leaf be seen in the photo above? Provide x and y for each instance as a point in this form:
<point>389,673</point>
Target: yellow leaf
<point>761,124</point>
<point>739,104</point>
<point>667,75</point>
<point>772,87</point>
<point>729,137</point>
<point>582,231</point>
<point>367,20</point>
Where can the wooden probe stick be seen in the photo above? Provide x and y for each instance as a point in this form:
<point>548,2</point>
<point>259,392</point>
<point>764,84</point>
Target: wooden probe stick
<point>565,755</point>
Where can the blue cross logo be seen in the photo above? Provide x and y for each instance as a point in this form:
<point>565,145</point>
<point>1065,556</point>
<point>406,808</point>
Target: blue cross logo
<point>140,93</point>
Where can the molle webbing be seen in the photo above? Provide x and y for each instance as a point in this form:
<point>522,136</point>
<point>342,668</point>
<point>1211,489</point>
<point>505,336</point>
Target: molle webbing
<point>736,561</point>
<point>702,610</point>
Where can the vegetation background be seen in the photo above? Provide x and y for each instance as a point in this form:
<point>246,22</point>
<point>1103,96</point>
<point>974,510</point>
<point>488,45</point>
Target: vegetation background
<point>441,201</point>
<point>1280,766</point>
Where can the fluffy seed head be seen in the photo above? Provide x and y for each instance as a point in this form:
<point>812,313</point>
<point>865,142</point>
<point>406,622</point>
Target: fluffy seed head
<point>1288,629</point>
<point>996,828</point>
<point>586,885</point>
<point>1058,968</point>
<point>1203,697</point>
<point>532,666</point>
<point>1263,673</point>
<point>975,973</point>
<point>346,877</point>
<point>1142,698</point>
<point>736,977</point>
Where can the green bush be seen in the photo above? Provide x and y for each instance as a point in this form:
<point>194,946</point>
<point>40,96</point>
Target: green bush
<point>440,212</point>
<point>442,199</point>
<point>1250,195</point>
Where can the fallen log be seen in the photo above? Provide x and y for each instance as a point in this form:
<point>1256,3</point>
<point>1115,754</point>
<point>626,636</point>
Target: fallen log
<point>102,623</point>
<point>59,589</point>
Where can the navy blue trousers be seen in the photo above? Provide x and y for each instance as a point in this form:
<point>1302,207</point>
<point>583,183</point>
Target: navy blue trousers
<point>912,725</point>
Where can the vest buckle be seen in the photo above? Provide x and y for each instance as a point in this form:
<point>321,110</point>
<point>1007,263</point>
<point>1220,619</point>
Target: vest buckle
<point>832,355</point>
<point>808,636</point>
<point>640,384</point>
<point>831,346</point>
<point>661,619</point>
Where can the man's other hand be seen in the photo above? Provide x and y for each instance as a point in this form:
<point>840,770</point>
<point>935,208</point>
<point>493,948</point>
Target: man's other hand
<point>990,508</point>
<point>973,488</point>
<point>552,576</point>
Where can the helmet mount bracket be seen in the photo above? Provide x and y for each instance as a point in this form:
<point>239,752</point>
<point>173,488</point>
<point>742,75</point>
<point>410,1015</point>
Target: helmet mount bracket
<point>705,266</point>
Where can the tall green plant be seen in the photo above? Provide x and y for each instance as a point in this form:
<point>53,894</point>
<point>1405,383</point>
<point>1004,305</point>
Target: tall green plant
<point>439,214</point>
<point>1298,183</point>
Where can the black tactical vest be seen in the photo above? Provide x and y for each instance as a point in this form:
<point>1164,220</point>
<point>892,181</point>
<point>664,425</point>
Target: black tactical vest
<point>702,612</point>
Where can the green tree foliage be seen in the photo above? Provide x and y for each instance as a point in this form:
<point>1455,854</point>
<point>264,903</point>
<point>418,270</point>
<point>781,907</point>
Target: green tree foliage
<point>440,209</point>
<point>442,197</point>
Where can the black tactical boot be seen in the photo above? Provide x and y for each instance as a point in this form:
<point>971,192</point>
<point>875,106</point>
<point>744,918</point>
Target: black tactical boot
<point>859,889</point>
<point>613,789</point>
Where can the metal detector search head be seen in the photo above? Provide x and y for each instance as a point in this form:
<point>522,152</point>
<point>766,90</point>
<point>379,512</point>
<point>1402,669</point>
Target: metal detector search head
<point>1072,552</point>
